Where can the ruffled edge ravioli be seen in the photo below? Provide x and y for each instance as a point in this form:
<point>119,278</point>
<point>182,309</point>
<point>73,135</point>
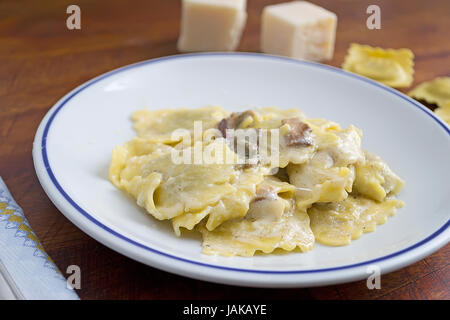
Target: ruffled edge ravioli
<point>232,205</point>
<point>274,224</point>
<point>436,91</point>
<point>444,112</point>
<point>159,125</point>
<point>392,67</point>
<point>338,223</point>
<point>185,193</point>
<point>244,238</point>
<point>330,191</point>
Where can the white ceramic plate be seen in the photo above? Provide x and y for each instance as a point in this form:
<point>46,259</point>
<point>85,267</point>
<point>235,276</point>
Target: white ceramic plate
<point>73,144</point>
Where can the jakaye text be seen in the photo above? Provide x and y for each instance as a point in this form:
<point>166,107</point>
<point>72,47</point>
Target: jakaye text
<point>233,309</point>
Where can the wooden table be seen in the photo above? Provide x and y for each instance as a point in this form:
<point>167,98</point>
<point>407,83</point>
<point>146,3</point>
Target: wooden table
<point>41,60</point>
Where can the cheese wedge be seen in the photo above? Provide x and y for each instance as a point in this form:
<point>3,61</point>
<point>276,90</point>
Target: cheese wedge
<point>211,25</point>
<point>298,29</point>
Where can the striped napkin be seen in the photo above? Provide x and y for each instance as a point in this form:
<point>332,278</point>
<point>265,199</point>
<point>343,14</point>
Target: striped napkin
<point>26,271</point>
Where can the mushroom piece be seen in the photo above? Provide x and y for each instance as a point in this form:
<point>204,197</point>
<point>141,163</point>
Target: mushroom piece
<point>241,141</point>
<point>267,209</point>
<point>234,121</point>
<point>299,133</point>
<point>266,205</point>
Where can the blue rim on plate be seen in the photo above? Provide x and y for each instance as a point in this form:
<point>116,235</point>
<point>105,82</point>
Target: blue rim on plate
<point>115,233</point>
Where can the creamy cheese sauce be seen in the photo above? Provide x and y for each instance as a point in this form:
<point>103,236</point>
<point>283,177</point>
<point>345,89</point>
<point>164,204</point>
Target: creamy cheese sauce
<point>322,187</point>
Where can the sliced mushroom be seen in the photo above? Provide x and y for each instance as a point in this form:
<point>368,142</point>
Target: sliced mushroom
<point>299,133</point>
<point>267,209</point>
<point>266,205</point>
<point>223,126</point>
<point>234,121</point>
<point>240,140</point>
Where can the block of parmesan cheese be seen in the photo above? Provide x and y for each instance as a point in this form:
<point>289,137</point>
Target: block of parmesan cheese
<point>298,29</point>
<point>211,25</point>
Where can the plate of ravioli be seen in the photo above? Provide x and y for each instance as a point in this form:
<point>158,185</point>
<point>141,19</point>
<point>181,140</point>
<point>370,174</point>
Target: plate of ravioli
<point>249,169</point>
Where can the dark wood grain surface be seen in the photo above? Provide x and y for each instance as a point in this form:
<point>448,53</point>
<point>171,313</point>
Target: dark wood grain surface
<point>41,60</point>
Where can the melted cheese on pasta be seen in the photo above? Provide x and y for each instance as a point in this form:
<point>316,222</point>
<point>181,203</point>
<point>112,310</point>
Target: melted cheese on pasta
<point>328,189</point>
<point>159,125</point>
<point>337,223</point>
<point>375,180</point>
<point>245,237</point>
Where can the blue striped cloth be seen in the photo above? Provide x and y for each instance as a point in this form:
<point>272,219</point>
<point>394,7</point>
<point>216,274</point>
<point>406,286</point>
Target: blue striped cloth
<point>26,271</point>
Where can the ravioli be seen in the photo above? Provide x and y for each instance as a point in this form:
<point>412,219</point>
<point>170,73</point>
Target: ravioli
<point>271,222</point>
<point>160,125</point>
<point>436,91</point>
<point>128,159</point>
<point>255,181</point>
<point>389,66</point>
<point>245,237</point>
<point>444,112</point>
<point>374,179</point>
<point>320,181</point>
<point>345,147</point>
<point>166,189</point>
<point>330,173</point>
<point>231,205</point>
<point>278,125</point>
<point>338,223</point>
<point>178,188</point>
<point>271,118</point>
